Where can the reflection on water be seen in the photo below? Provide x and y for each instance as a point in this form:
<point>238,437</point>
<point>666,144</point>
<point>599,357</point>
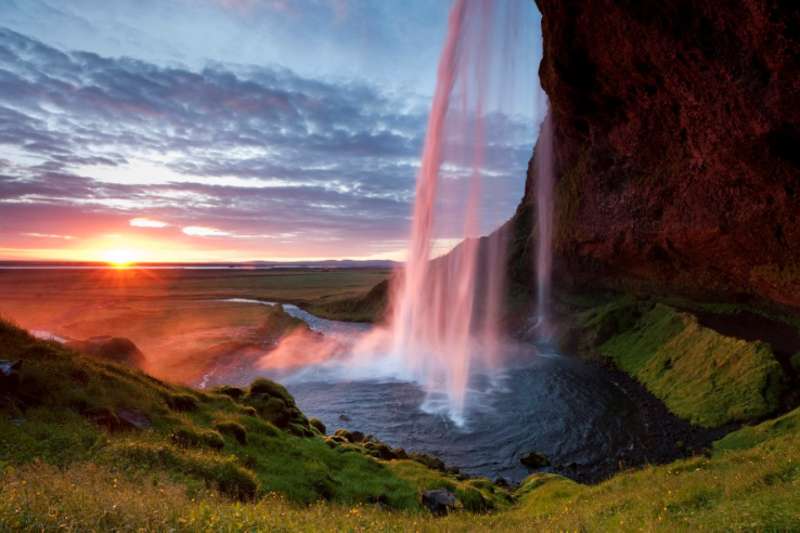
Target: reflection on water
<point>555,406</point>
<point>543,402</point>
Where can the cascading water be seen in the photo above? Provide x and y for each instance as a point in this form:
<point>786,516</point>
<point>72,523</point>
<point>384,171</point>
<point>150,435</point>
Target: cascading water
<point>544,227</point>
<point>445,311</point>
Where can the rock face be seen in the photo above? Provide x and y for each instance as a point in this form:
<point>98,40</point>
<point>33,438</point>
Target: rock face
<point>677,147</point>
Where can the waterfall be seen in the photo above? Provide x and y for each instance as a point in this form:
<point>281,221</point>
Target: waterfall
<point>544,227</point>
<point>443,324</point>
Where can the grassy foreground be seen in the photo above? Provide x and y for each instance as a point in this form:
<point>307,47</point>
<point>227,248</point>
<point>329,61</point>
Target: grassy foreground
<point>247,459</point>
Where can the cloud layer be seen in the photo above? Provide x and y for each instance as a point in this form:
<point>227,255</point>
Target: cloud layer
<point>261,161</point>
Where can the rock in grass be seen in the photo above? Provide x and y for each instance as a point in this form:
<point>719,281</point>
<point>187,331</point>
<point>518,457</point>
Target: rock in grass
<point>440,501</point>
<point>534,460</point>
<point>318,425</point>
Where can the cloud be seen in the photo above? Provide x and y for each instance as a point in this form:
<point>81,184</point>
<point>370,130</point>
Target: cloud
<point>270,156</point>
<point>141,222</point>
<point>36,235</point>
<point>202,231</point>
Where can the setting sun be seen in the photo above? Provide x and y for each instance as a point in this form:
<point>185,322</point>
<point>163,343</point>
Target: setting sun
<point>120,258</point>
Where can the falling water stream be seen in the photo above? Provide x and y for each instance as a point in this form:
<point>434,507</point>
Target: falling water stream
<point>544,228</point>
<point>444,324</point>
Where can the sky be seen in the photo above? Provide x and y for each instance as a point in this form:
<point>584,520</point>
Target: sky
<point>235,130</point>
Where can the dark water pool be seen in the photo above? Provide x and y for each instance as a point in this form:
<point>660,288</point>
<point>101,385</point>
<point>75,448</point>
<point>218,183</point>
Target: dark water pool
<point>557,406</point>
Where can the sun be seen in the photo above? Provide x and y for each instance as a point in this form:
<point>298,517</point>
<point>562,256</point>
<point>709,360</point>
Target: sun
<point>119,258</point>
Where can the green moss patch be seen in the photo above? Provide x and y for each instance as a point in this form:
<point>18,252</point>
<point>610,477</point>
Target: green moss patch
<point>705,377</point>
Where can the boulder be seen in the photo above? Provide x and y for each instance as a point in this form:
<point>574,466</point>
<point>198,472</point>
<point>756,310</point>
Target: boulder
<point>439,501</point>
<point>534,460</point>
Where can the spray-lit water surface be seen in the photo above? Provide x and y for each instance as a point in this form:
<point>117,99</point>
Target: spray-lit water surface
<point>540,401</point>
<point>557,406</point>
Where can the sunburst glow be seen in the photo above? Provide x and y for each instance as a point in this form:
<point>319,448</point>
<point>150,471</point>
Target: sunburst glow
<point>120,257</point>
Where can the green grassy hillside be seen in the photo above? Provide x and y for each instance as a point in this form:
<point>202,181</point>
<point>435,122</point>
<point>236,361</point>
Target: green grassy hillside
<point>242,443</point>
<point>247,459</point>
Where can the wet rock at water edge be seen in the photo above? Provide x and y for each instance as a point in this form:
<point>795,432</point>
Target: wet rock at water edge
<point>534,460</point>
<point>440,502</point>
<point>344,418</point>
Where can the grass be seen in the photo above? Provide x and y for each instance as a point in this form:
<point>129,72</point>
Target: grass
<point>702,376</point>
<point>62,471</point>
<point>243,443</point>
<point>369,307</point>
<point>754,485</point>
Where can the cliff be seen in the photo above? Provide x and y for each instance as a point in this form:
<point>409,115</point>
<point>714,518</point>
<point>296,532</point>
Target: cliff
<point>677,148</point>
